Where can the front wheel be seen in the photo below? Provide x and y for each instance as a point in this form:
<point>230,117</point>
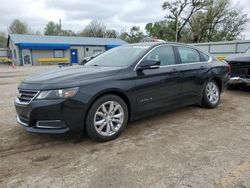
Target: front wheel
<point>107,118</point>
<point>211,95</point>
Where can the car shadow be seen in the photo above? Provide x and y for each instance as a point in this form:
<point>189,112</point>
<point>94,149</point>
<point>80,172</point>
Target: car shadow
<point>239,88</point>
<point>33,141</point>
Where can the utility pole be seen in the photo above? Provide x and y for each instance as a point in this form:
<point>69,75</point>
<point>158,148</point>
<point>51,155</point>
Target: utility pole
<point>60,27</point>
<point>60,24</point>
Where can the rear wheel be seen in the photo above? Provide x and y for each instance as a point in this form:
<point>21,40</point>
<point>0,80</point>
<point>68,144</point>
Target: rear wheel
<point>107,118</point>
<point>211,95</point>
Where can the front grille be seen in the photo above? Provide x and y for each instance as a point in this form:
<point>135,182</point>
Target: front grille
<point>25,96</point>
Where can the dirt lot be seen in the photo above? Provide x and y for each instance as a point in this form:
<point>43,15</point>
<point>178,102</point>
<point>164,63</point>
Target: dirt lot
<point>189,147</point>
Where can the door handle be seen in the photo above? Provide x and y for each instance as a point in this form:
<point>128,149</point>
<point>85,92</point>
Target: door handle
<point>202,68</point>
<point>173,70</point>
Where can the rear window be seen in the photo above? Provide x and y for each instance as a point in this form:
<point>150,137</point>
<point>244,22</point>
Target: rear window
<point>188,55</point>
<point>204,57</point>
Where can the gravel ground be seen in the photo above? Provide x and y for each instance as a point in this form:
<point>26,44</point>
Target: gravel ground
<point>189,147</point>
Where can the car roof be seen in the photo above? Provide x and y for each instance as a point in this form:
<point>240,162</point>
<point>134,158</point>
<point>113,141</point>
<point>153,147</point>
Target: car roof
<point>153,44</point>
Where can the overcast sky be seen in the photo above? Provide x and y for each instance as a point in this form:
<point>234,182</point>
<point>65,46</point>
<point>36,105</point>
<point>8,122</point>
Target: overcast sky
<point>76,14</point>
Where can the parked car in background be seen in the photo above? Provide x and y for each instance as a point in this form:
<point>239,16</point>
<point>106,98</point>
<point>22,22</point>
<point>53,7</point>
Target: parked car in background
<point>240,68</point>
<point>87,59</point>
<point>123,84</point>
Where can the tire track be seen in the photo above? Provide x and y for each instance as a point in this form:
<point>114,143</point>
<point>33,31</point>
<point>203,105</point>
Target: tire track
<point>28,148</point>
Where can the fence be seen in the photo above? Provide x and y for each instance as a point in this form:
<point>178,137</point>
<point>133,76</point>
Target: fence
<point>224,48</point>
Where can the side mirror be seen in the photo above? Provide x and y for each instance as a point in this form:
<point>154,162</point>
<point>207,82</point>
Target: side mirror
<point>149,64</point>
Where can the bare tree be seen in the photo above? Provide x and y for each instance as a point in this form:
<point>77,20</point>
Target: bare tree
<point>94,29</point>
<point>18,27</point>
<point>181,11</point>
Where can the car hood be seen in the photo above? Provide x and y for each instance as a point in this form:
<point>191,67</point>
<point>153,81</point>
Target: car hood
<point>238,58</point>
<point>67,77</point>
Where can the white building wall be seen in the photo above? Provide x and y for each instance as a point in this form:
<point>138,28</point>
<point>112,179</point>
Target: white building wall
<point>87,51</point>
<point>46,54</point>
<point>3,52</point>
<point>14,50</point>
<point>92,50</point>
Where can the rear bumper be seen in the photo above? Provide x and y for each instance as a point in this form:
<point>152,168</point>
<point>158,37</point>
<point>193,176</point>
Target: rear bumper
<point>239,80</point>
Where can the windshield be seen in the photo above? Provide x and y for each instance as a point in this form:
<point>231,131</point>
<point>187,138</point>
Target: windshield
<point>118,57</point>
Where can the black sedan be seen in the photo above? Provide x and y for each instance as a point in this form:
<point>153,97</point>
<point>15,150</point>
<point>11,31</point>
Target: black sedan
<point>240,69</point>
<point>120,85</point>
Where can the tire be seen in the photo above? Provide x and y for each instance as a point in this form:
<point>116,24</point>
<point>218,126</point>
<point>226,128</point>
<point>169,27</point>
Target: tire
<point>103,126</point>
<point>211,95</point>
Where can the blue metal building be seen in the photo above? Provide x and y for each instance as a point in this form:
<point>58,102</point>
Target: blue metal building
<point>37,49</point>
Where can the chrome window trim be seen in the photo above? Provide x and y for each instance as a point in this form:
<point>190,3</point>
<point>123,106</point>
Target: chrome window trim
<point>202,62</point>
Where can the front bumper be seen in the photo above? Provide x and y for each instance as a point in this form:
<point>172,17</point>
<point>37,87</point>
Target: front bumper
<point>239,80</point>
<point>51,116</point>
<point>49,128</point>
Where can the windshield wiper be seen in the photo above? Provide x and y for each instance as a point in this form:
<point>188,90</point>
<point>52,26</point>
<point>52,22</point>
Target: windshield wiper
<point>95,65</point>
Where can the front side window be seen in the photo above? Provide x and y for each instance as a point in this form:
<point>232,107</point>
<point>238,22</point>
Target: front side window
<point>164,54</point>
<point>188,55</point>
<point>58,53</point>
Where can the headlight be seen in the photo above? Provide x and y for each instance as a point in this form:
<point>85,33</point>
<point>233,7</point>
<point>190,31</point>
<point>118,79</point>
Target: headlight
<point>58,94</point>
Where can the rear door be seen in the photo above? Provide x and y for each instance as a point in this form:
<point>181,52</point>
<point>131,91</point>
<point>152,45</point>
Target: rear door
<point>192,68</point>
<point>157,88</point>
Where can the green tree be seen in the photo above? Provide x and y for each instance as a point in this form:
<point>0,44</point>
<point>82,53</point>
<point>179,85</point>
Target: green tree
<point>3,40</point>
<point>221,20</point>
<point>55,29</point>
<point>18,27</point>
<point>68,33</point>
<point>162,29</point>
<point>199,21</point>
<point>111,33</point>
<point>52,29</point>
<point>135,35</point>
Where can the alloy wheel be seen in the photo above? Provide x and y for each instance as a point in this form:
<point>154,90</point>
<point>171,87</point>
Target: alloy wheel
<point>212,92</point>
<point>108,118</point>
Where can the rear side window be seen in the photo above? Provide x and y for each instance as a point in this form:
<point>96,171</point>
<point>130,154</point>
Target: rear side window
<point>164,54</point>
<point>188,55</point>
<point>204,57</point>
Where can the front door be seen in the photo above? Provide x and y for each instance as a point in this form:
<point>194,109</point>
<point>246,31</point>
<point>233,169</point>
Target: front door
<point>73,56</point>
<point>26,57</point>
<point>157,88</point>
